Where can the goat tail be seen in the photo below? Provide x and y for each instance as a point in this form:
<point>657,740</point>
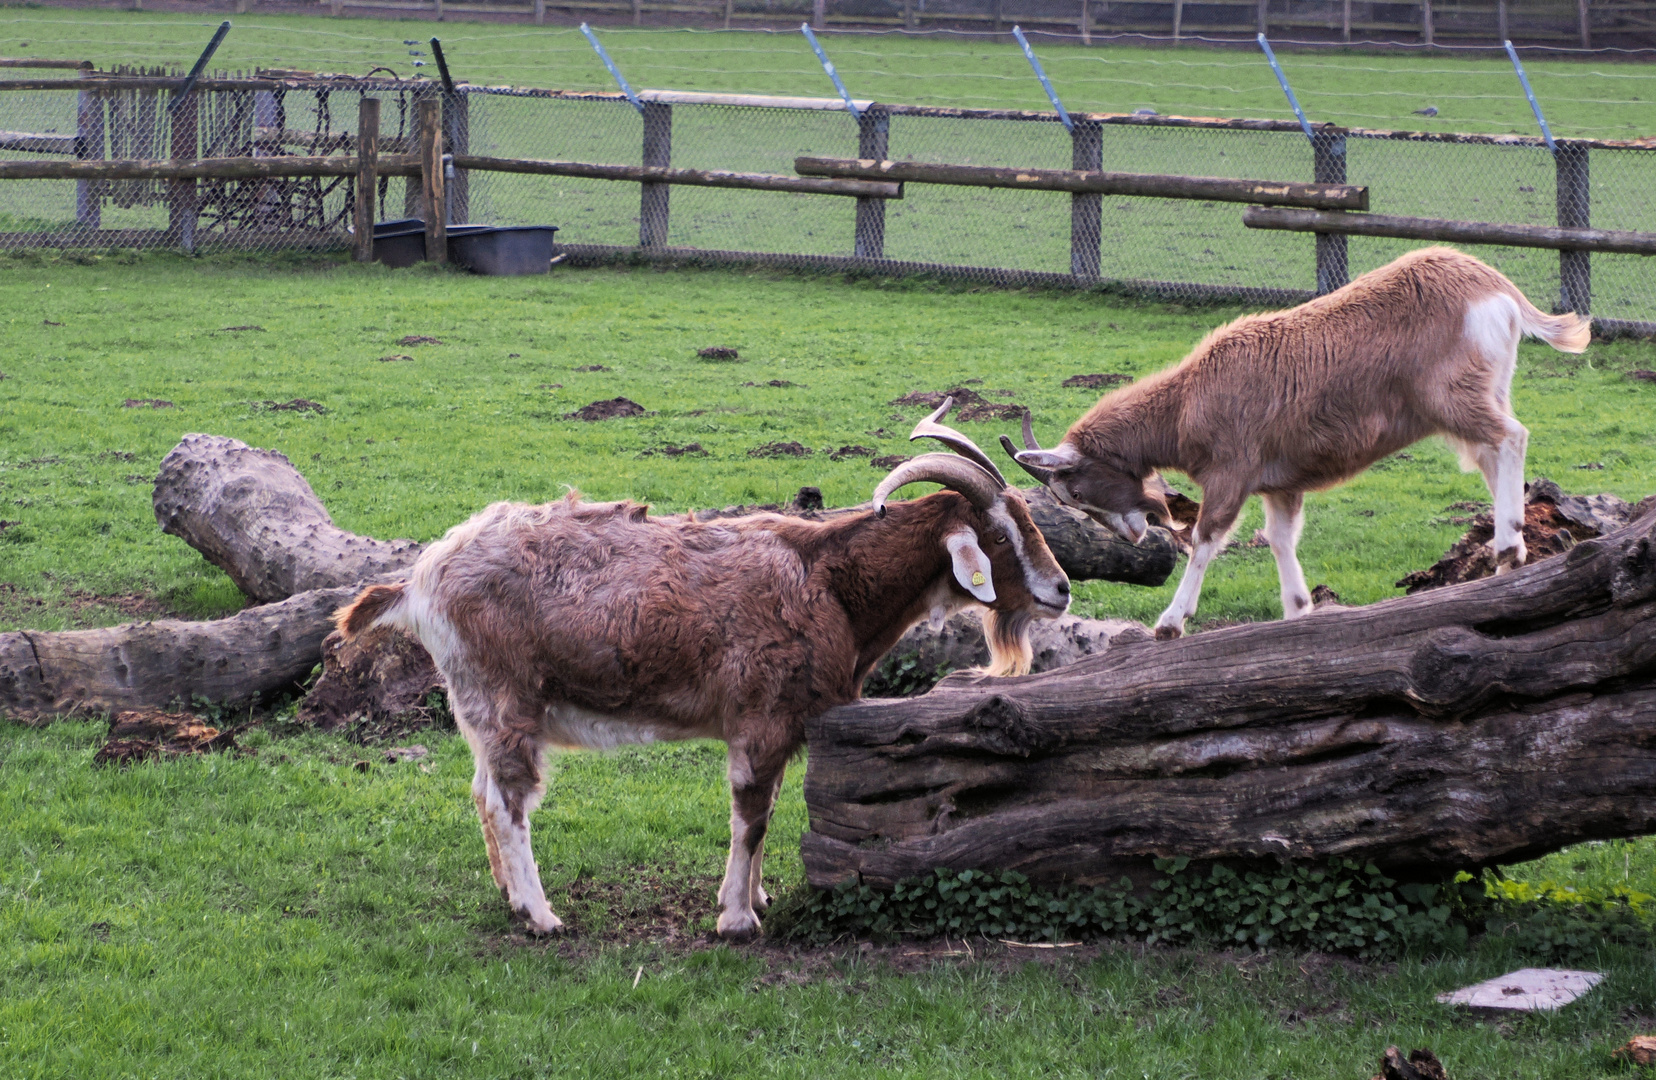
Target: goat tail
<point>1568,332</point>
<point>370,605</point>
<point>1007,633</point>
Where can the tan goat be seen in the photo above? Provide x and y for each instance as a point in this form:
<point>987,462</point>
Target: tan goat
<point>1293,401</point>
<point>592,625</point>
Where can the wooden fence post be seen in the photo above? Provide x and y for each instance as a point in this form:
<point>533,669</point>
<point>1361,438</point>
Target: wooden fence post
<point>729,9</point>
<point>819,13</point>
<point>1178,18</point>
<point>1345,21</point>
<point>457,140</point>
<point>1575,270</point>
<point>336,8</point>
<point>1086,208</point>
<point>1500,20</point>
<point>540,12</point>
<point>908,14</point>
<point>367,177</point>
<point>1586,25</point>
<point>873,135</point>
<point>430,136</point>
<point>1425,22</point>
<point>997,12</point>
<point>181,211</point>
<point>89,143</point>
<point>653,198</point>
<point>437,9</point>
<point>1263,4</point>
<point>638,12</point>
<point>1328,163</point>
<point>1086,23</point>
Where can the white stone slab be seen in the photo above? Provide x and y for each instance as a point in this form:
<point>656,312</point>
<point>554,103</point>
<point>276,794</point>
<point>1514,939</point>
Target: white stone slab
<point>1525,990</point>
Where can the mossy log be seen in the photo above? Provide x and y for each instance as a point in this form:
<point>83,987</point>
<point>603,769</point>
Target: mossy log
<point>1474,724</point>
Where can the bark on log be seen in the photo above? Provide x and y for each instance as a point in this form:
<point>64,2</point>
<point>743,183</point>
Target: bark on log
<point>661,174</point>
<point>1456,232</point>
<point>156,664</point>
<point>1486,722</point>
<point>252,515</point>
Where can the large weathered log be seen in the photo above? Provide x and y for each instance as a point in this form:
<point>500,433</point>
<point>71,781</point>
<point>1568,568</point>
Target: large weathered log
<point>159,663</point>
<point>1478,723</point>
<point>254,517</point>
<point>1458,232</point>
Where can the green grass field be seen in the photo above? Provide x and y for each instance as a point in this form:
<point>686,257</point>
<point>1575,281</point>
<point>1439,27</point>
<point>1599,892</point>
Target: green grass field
<point>281,913</point>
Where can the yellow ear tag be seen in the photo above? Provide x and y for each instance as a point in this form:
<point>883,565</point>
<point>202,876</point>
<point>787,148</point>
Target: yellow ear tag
<point>977,577</point>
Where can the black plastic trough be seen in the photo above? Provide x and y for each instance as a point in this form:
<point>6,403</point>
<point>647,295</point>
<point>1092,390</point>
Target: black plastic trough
<point>499,251</point>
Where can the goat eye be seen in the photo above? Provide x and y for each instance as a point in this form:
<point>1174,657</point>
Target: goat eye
<point>1000,538</point>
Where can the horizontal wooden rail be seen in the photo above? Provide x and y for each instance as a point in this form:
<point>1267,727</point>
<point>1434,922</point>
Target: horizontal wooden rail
<point>28,142</point>
<point>236,168</point>
<point>660,174</point>
<point>1216,189</point>
<point>1462,232</point>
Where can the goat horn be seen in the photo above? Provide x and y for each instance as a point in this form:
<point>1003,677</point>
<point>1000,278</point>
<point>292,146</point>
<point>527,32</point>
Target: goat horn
<point>956,473</point>
<point>929,428</point>
<point>1043,475</point>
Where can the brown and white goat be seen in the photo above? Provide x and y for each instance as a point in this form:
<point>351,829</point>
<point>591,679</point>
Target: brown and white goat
<point>1293,401</point>
<point>592,624</point>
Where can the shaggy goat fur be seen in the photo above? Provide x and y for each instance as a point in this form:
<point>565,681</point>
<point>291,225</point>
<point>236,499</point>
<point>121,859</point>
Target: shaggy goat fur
<point>1293,401</point>
<point>590,625</point>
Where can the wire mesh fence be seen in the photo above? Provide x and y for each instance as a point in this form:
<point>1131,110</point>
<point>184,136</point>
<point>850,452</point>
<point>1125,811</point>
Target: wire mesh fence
<point>1173,248</point>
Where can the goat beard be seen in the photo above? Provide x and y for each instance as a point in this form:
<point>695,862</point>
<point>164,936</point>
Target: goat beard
<point>1007,633</point>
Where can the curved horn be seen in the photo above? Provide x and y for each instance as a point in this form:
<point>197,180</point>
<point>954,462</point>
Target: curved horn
<point>1043,475</point>
<point>956,473</point>
<point>929,428</point>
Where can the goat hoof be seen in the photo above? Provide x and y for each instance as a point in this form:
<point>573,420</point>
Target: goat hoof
<point>1168,633</point>
<point>548,926</point>
<point>738,927</point>
<point>1510,559</point>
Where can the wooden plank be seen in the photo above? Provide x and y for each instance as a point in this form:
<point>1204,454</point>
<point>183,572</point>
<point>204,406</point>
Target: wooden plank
<point>28,62</point>
<point>692,177</point>
<point>203,169</point>
<point>28,142</point>
<point>429,131</point>
<point>1459,232</point>
<point>367,177</point>
<point>1211,188</point>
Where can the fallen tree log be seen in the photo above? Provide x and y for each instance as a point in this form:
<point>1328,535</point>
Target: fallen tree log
<point>254,516</point>
<point>158,664</point>
<point>1479,723</point>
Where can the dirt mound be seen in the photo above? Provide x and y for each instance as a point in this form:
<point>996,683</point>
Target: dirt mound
<point>889,461</point>
<point>418,339</point>
<point>146,403</point>
<point>780,449</point>
<point>239,329</point>
<point>1553,523</point>
<point>850,452</point>
<point>1098,381</point>
<point>298,404</point>
<point>378,687</point>
<point>991,411</point>
<point>669,450</point>
<point>394,357</point>
<point>718,352</point>
<point>1641,375</point>
<point>931,399</point>
<point>592,367</point>
<point>150,733</point>
<point>612,409</point>
<point>780,383</point>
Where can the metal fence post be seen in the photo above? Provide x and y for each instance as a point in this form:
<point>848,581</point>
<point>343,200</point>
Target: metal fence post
<point>1086,209</point>
<point>367,177</point>
<point>457,140</point>
<point>873,138</point>
<point>1328,156</point>
<point>1426,22</point>
<point>1575,271</point>
<point>89,143</point>
<point>653,198</point>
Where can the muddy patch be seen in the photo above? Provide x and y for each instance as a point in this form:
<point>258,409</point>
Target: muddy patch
<point>889,461</point>
<point>377,688</point>
<point>850,452</point>
<point>931,399</point>
<point>780,449</point>
<point>241,329</point>
<point>718,352</point>
<point>298,405</point>
<point>137,606</point>
<point>117,455</point>
<point>591,368</point>
<point>992,411</point>
<point>1098,381</point>
<point>146,403</point>
<point>613,409</point>
<point>418,339</point>
<point>1642,375</point>
<point>782,384</point>
<point>669,450</point>
<point>394,358</point>
<point>144,734</point>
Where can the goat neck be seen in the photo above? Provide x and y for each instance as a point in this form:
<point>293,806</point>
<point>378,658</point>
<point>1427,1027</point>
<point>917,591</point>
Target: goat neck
<point>1135,428</point>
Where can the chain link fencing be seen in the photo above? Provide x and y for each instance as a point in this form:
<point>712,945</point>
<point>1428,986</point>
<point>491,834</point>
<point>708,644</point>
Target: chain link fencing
<point>1173,249</point>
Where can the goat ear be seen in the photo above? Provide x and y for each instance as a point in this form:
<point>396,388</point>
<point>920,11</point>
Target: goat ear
<point>971,565</point>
